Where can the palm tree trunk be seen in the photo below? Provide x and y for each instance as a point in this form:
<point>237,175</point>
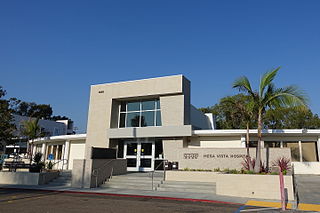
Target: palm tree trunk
<point>258,153</point>
<point>248,140</point>
<point>248,150</point>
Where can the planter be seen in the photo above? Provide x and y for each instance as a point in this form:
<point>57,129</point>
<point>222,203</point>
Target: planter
<point>253,186</point>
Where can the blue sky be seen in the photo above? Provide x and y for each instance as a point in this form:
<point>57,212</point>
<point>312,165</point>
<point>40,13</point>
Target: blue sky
<point>52,51</point>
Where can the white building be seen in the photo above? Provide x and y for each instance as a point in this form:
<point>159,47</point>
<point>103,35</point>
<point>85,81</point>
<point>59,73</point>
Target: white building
<point>48,127</point>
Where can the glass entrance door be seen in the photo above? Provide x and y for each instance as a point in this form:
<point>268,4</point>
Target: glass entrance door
<point>139,155</point>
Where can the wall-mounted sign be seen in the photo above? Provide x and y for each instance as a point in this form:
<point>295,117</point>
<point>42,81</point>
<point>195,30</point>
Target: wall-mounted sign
<point>50,157</point>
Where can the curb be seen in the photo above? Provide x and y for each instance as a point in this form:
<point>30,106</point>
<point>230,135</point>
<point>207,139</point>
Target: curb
<point>301,206</point>
<point>125,195</point>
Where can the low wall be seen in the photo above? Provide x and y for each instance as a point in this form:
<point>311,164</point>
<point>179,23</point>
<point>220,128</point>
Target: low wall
<point>306,167</point>
<point>46,177</point>
<point>192,176</point>
<point>78,169</point>
<point>253,186</point>
<point>27,178</point>
<point>223,158</point>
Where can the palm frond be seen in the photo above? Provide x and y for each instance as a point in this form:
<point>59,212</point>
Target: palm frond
<point>290,96</point>
<point>243,84</point>
<point>266,80</point>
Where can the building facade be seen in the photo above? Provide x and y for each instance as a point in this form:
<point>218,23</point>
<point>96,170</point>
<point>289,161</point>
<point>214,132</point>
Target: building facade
<point>47,127</point>
<point>150,120</point>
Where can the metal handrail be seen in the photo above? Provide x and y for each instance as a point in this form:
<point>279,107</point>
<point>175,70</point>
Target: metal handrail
<point>164,172</point>
<point>95,172</point>
<point>62,160</point>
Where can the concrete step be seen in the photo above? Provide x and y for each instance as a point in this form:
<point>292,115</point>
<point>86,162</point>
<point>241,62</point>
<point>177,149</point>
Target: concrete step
<point>128,186</point>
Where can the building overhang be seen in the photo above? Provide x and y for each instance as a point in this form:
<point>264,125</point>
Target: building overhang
<point>147,132</point>
<point>61,138</point>
<point>266,132</point>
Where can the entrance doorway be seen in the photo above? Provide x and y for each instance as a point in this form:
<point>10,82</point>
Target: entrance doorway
<point>139,155</point>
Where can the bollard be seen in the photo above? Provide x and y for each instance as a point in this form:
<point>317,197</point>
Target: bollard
<point>283,200</point>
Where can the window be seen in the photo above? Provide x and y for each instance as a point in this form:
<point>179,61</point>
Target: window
<point>272,144</point>
<point>309,152</point>
<point>294,147</point>
<point>140,114</point>
<point>56,151</point>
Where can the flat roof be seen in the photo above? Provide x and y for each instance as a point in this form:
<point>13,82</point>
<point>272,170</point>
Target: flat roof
<point>280,132</point>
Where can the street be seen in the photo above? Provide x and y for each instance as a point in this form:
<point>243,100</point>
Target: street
<point>12,200</point>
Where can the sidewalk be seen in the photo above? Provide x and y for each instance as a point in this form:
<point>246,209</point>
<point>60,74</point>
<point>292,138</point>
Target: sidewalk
<point>196,197</point>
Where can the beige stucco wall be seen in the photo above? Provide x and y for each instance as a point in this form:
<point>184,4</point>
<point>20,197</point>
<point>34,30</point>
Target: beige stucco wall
<point>253,186</point>
<point>191,176</point>
<point>174,95</point>
<point>212,158</point>
<point>76,152</point>
<point>104,100</point>
<point>215,142</point>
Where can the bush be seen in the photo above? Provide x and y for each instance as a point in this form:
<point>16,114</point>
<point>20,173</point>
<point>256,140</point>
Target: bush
<point>49,165</point>
<point>283,163</point>
<point>37,157</point>
<point>246,165</point>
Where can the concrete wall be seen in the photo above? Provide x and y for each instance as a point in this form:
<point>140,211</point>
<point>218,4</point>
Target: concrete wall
<point>78,169</point>
<point>198,119</point>
<point>215,142</point>
<point>174,94</point>
<point>211,158</point>
<point>77,151</point>
<point>306,167</point>
<point>27,178</point>
<point>102,104</point>
<point>192,176</point>
<point>104,168</point>
<point>253,186</point>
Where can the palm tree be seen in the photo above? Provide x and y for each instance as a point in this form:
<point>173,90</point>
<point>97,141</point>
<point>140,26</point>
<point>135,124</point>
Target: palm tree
<point>243,111</point>
<point>269,97</point>
<point>31,130</point>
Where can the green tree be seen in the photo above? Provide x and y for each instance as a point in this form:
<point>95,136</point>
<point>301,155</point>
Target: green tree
<point>291,118</point>
<point>228,112</point>
<point>31,130</point>
<point>269,97</point>
<point>7,127</point>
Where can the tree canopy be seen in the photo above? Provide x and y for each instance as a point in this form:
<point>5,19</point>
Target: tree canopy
<point>6,126</point>
<point>275,118</point>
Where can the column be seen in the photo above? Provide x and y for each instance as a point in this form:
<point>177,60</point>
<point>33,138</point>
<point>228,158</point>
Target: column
<point>243,141</point>
<point>318,147</point>
<point>43,151</point>
<point>34,149</point>
<point>66,154</point>
<point>300,151</point>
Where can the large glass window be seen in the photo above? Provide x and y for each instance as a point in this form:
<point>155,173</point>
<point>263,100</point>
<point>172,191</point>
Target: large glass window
<point>140,113</point>
<point>309,151</point>
<point>294,147</point>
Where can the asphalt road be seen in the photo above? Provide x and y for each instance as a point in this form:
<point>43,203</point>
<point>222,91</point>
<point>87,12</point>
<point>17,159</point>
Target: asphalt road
<point>37,201</point>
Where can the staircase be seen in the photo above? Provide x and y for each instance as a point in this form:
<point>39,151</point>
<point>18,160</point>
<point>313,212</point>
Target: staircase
<point>143,181</point>
<point>134,180</point>
<point>64,179</point>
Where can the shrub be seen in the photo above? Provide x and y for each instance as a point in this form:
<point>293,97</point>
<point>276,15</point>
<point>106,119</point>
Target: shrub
<point>283,163</point>
<point>217,170</point>
<point>37,158</point>
<point>49,165</point>
<point>246,164</point>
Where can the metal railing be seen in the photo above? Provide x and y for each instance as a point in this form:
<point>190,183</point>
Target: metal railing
<point>95,172</point>
<point>57,162</point>
<point>164,173</point>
